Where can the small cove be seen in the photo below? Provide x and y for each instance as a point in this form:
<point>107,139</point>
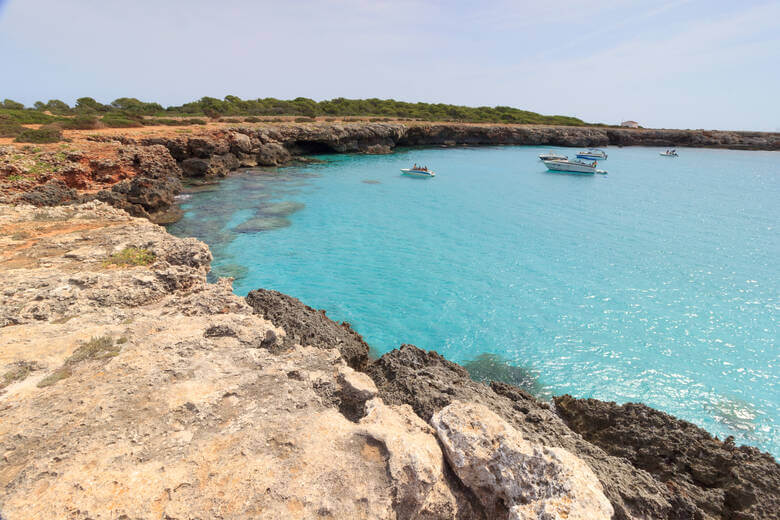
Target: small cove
<point>657,283</point>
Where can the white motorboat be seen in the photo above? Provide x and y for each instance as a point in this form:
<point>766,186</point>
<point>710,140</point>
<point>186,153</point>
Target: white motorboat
<point>669,153</point>
<point>418,172</point>
<point>594,154</point>
<point>578,167</point>
<point>552,156</point>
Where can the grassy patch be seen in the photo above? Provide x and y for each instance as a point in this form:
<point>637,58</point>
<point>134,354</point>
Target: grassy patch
<point>58,375</point>
<point>64,319</point>
<point>19,372</point>
<point>130,256</point>
<point>96,349</point>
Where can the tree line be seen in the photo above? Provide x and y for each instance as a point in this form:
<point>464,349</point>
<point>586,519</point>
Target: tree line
<point>132,108</point>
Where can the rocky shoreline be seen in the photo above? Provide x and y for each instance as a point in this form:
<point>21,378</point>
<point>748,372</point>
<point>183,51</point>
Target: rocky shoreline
<point>142,173</point>
<point>130,387</point>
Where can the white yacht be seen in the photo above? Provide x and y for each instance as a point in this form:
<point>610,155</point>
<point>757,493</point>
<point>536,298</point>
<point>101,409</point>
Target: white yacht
<point>552,156</point>
<point>578,167</point>
<point>669,153</point>
<point>594,154</point>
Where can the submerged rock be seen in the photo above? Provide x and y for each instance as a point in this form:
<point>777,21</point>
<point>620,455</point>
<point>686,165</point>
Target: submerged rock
<point>262,224</point>
<point>512,477</point>
<point>280,209</point>
<point>489,367</point>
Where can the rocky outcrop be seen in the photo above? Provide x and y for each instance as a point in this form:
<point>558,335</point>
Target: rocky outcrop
<point>512,477</point>
<point>428,382</point>
<point>308,326</point>
<point>725,481</point>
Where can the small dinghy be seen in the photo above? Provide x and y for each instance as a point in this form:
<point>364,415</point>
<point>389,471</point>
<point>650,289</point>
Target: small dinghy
<point>418,171</point>
<point>669,153</point>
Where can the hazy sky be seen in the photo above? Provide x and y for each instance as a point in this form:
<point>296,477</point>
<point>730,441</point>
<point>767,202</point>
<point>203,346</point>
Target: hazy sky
<point>682,64</point>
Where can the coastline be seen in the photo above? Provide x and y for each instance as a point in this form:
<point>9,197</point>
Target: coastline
<point>648,463</point>
<point>141,170</point>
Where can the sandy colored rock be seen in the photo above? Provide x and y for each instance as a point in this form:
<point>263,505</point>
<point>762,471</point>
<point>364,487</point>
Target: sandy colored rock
<point>512,477</point>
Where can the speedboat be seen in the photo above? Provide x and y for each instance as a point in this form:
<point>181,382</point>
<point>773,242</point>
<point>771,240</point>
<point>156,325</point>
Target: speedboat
<point>551,156</point>
<point>593,154</point>
<point>418,172</point>
<point>578,167</point>
<point>669,153</point>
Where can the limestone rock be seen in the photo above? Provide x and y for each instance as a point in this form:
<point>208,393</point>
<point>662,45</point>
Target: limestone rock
<point>512,477</point>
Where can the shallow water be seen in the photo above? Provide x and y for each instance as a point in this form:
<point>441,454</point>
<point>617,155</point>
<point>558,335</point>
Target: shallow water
<point>657,283</point>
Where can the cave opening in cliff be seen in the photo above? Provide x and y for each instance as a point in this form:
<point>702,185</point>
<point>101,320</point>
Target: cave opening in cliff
<point>310,147</point>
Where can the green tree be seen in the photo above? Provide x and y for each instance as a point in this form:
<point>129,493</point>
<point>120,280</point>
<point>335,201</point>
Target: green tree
<point>89,105</point>
<point>13,105</point>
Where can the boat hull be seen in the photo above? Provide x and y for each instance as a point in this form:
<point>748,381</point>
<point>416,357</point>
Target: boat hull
<point>570,167</point>
<point>668,154</point>
<point>417,173</point>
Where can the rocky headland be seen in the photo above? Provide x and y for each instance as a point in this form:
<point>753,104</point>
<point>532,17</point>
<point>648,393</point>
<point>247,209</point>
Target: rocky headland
<point>141,170</point>
<point>132,388</point>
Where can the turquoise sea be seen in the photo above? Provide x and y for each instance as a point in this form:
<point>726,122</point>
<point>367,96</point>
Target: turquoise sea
<point>657,283</point>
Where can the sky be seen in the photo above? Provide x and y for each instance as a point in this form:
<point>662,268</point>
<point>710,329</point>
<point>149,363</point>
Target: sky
<point>666,64</point>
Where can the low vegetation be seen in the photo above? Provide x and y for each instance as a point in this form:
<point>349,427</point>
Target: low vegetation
<point>96,349</point>
<point>45,134</point>
<point>129,112</point>
<point>131,256</point>
<point>18,372</point>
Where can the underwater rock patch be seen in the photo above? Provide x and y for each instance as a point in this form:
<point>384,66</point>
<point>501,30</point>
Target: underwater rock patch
<point>489,367</point>
<point>262,224</point>
<point>281,209</point>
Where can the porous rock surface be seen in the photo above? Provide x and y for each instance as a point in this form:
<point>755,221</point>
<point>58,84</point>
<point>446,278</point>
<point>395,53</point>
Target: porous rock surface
<point>512,477</point>
<point>724,480</point>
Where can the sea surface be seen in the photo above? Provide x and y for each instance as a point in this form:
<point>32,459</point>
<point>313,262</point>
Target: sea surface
<point>658,282</point>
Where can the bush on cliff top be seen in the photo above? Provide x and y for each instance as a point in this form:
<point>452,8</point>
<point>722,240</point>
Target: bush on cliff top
<point>45,134</point>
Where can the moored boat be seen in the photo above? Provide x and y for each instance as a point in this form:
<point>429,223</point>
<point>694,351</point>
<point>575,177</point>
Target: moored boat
<point>552,156</point>
<point>580,167</point>
<point>593,154</point>
<point>418,171</point>
<point>669,153</point>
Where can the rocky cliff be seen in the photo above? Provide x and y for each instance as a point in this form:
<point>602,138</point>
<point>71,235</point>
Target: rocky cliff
<point>141,174</point>
<point>131,388</point>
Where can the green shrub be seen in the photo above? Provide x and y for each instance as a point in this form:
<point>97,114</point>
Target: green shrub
<point>27,117</point>
<point>131,256</point>
<point>9,128</point>
<point>118,120</point>
<point>252,119</point>
<point>194,121</point>
<point>45,134</point>
<point>304,119</point>
<point>96,348</point>
<point>81,122</point>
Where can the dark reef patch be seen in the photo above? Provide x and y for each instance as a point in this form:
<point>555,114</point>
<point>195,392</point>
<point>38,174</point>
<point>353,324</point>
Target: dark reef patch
<point>488,367</point>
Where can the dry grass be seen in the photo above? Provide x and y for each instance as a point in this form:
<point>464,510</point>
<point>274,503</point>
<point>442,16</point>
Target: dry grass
<point>19,372</point>
<point>131,256</point>
<point>95,349</point>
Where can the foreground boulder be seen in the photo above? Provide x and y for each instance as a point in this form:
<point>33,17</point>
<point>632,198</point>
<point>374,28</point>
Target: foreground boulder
<point>512,477</point>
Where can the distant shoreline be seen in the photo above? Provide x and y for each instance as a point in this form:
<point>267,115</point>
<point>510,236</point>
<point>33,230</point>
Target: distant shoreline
<point>141,169</point>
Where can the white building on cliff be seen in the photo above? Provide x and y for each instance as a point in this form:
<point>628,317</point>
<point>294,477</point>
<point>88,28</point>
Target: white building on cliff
<point>630,124</point>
